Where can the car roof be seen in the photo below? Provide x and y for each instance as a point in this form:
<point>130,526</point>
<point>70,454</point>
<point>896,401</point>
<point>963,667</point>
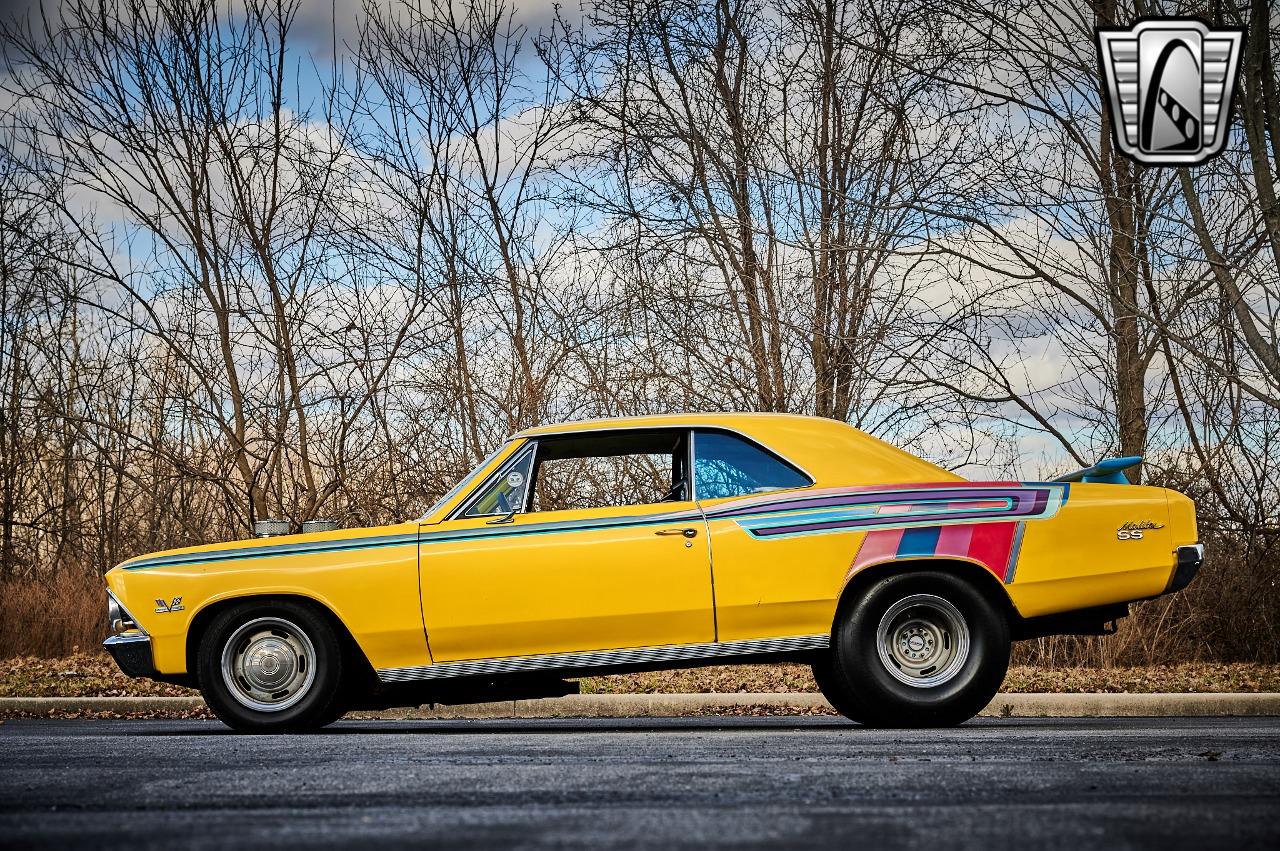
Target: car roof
<point>831,451</point>
<point>723,419</point>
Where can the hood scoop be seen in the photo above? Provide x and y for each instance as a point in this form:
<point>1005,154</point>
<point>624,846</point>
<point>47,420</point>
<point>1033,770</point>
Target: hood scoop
<point>273,528</point>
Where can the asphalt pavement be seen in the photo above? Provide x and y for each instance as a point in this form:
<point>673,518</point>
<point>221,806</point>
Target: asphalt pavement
<point>660,783</point>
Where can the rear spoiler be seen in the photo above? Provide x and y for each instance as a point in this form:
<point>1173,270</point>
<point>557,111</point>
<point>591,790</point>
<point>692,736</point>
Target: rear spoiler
<point>1109,471</point>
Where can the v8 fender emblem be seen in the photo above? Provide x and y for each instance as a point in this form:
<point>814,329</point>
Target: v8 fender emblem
<point>174,606</point>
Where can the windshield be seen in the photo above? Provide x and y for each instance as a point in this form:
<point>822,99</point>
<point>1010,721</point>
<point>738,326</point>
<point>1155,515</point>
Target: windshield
<point>466,481</point>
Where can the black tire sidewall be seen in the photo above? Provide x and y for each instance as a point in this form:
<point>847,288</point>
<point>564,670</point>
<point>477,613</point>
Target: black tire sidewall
<point>832,687</point>
<point>316,708</point>
<point>884,700</point>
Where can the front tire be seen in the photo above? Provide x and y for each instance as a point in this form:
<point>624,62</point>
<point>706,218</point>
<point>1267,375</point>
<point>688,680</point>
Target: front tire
<point>271,666</point>
<point>922,649</point>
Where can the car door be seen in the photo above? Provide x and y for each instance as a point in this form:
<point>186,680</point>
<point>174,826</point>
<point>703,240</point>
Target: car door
<point>519,571</point>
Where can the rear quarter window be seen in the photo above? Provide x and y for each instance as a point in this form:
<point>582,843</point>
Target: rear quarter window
<point>726,465</point>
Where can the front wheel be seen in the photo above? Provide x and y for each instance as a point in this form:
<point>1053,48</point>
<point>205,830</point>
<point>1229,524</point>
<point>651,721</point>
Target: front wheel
<point>921,649</point>
<point>271,666</point>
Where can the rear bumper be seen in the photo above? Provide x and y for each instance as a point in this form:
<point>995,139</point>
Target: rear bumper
<point>1188,563</point>
<point>132,653</point>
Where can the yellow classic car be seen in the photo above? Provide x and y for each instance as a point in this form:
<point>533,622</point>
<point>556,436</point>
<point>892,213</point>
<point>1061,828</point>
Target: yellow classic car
<point>660,542</point>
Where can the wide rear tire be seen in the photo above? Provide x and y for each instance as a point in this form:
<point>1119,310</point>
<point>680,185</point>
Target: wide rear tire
<point>271,666</point>
<point>923,649</point>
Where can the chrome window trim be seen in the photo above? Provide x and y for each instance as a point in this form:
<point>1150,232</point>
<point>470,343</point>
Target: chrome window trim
<point>462,483</point>
<point>532,440</point>
<point>690,427</point>
<point>460,513</point>
<point>605,658</point>
<point>531,445</point>
<point>693,436</point>
<point>690,457</point>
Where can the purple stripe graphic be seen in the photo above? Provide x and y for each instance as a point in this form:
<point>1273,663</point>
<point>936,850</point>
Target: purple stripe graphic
<point>1027,502</point>
<point>1037,496</point>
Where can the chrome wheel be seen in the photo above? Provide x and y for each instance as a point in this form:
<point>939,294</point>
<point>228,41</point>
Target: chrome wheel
<point>923,640</point>
<point>268,664</point>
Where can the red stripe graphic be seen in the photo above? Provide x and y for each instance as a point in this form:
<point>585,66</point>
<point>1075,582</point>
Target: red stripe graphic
<point>991,544</point>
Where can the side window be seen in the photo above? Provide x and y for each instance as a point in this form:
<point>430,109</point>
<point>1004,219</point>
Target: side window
<point>726,465</point>
<point>505,493</point>
<point>610,469</point>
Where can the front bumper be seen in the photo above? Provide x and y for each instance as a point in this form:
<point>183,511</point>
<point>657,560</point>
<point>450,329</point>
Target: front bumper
<point>1189,560</point>
<point>132,652</point>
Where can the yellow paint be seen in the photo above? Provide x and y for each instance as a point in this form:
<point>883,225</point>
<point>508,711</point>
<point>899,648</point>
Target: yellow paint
<point>517,594</point>
<point>772,588</point>
<point>374,591</point>
<point>511,593</point>
<point>1075,560</point>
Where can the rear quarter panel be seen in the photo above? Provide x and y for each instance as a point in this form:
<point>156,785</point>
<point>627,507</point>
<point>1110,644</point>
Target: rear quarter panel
<point>1075,559</point>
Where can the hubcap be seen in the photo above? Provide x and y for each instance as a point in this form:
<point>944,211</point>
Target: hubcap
<point>923,640</point>
<point>268,664</point>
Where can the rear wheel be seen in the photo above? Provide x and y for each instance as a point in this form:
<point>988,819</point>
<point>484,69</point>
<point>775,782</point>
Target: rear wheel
<point>271,666</point>
<point>919,649</point>
<point>833,689</point>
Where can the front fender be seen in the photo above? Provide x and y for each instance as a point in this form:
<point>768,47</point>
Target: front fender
<point>372,591</point>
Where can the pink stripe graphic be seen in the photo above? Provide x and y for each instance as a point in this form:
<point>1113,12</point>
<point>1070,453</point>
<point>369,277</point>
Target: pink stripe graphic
<point>955,541</point>
<point>879,545</point>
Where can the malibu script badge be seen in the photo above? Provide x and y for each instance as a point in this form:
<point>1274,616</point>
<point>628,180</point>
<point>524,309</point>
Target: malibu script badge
<point>1132,531</point>
<point>1169,84</point>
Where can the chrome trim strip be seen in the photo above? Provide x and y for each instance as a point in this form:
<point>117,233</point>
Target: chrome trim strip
<point>282,548</point>
<point>1014,552</point>
<point>603,658</point>
<point>137,638</point>
<point>460,510</point>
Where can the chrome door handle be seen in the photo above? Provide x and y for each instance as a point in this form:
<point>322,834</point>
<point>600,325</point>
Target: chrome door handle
<point>688,533</point>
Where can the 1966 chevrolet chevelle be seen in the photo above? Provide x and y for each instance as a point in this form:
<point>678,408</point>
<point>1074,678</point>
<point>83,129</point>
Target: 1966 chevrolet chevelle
<point>660,542</point>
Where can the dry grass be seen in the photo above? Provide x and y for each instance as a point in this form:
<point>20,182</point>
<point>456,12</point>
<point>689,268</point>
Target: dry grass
<point>61,615</point>
<point>80,675</point>
<point>95,675</point>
